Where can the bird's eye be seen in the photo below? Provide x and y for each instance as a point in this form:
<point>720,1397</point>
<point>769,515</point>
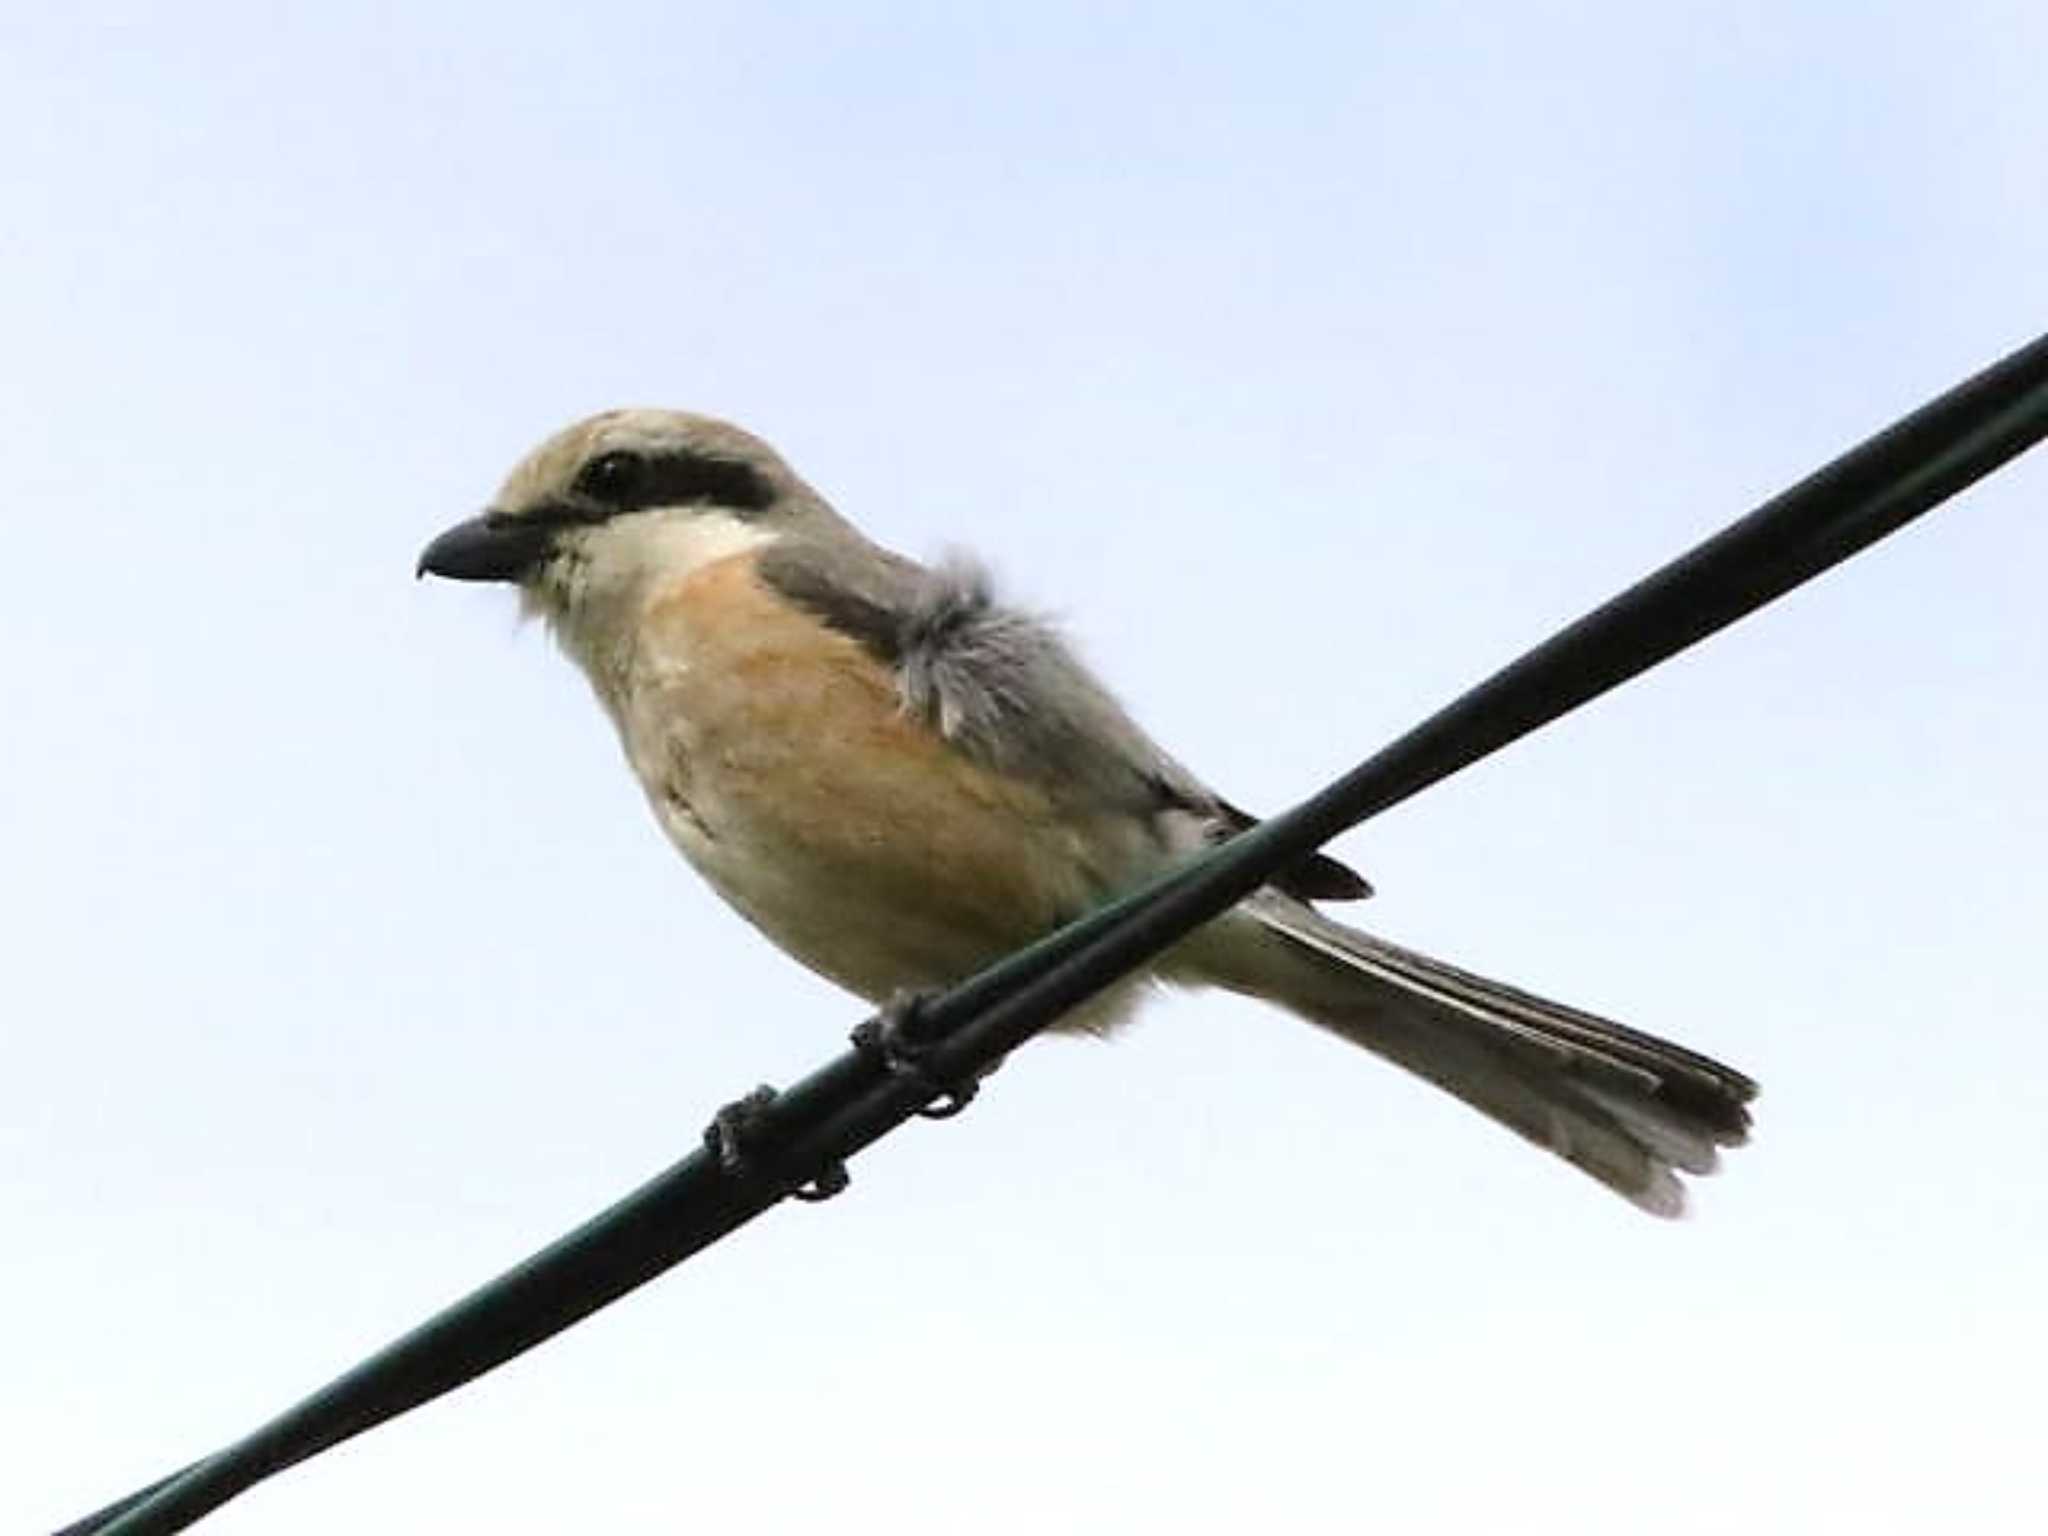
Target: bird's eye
<point>612,477</point>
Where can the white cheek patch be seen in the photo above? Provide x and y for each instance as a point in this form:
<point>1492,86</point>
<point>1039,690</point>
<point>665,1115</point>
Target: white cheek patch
<point>675,544</point>
<point>614,559</point>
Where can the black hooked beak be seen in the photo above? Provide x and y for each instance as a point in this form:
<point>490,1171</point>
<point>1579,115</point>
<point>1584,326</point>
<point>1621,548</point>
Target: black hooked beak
<point>494,547</point>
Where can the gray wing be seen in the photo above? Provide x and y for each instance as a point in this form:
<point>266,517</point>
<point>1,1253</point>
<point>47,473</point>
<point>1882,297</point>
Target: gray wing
<point>1004,688</point>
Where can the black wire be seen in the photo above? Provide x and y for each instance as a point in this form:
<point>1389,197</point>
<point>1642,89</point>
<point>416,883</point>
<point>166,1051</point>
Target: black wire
<point>99,1519</point>
<point>1870,491</point>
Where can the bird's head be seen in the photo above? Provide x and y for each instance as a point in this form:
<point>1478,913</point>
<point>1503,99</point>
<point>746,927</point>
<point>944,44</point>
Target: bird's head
<point>602,507</point>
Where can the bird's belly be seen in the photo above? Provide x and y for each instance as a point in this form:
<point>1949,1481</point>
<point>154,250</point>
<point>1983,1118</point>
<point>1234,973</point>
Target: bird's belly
<point>889,889</point>
<point>859,925</point>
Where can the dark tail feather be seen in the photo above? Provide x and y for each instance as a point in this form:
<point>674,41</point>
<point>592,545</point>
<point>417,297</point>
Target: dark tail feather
<point>1630,1109</point>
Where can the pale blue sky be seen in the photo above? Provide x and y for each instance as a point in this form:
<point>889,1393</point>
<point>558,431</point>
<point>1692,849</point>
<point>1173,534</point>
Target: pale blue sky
<point>1311,362</point>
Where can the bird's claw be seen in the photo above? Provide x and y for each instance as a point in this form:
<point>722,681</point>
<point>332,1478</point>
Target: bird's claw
<point>739,1123</point>
<point>897,1038</point>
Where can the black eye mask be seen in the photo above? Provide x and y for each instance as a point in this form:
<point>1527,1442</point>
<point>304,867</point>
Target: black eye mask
<point>626,481</point>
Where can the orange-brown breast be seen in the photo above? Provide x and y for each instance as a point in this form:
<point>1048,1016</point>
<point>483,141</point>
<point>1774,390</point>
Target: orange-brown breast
<point>852,833</point>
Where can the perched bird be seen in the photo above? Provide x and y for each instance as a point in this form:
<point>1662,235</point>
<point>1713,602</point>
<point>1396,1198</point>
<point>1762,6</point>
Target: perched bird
<point>899,779</point>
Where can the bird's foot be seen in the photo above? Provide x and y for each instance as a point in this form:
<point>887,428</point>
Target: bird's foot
<point>898,1037</point>
<point>738,1124</point>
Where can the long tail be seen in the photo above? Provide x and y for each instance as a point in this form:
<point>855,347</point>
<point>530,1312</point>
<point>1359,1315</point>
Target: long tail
<point>1630,1109</point>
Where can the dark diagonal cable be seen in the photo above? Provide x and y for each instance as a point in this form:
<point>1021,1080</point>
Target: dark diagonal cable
<point>1870,491</point>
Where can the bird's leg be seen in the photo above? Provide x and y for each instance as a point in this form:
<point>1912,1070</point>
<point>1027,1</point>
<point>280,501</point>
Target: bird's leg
<point>739,1123</point>
<point>898,1038</point>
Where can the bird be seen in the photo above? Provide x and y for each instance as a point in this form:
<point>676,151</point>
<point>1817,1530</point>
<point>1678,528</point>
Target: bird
<point>898,778</point>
